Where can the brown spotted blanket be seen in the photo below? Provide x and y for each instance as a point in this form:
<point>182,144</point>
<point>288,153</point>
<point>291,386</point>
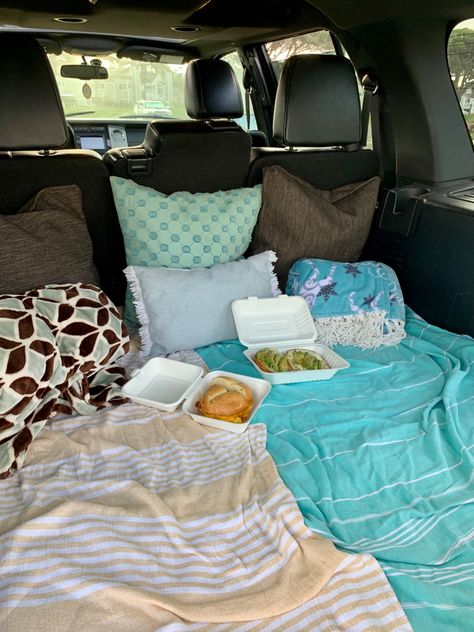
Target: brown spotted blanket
<point>57,348</point>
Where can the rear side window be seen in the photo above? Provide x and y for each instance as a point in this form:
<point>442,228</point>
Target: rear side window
<point>278,51</point>
<point>461,67</point>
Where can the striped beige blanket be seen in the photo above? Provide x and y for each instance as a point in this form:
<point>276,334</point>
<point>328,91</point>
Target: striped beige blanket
<point>131,521</point>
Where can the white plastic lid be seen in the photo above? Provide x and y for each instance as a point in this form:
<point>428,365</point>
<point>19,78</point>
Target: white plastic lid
<point>279,320</point>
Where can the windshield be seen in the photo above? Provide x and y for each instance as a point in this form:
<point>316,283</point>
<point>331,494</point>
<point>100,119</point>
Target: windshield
<point>134,89</point>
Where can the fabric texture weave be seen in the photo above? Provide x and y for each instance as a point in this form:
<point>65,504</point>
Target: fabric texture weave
<point>149,521</point>
<point>184,309</point>
<point>298,220</point>
<point>183,230</point>
<point>357,304</point>
<point>46,242</point>
<point>57,349</point>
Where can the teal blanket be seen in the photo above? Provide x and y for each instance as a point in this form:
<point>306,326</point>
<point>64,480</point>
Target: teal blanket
<point>381,460</point>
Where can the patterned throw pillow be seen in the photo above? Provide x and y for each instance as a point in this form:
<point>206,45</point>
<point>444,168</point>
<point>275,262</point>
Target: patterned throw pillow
<point>184,230</point>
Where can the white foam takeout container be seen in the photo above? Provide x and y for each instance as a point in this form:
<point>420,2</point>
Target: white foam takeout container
<point>260,389</point>
<point>282,323</point>
<point>162,383</point>
<point>166,384</point>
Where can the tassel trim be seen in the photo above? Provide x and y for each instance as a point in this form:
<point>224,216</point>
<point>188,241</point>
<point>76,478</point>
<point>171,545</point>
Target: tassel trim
<point>139,304</point>
<point>368,330</point>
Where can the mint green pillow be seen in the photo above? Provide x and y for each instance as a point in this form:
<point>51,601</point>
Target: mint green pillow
<point>183,230</point>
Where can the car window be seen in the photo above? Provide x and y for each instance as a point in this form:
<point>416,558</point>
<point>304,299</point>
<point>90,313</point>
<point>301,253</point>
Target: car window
<point>318,42</point>
<point>461,67</point>
<point>247,122</point>
<point>134,89</point>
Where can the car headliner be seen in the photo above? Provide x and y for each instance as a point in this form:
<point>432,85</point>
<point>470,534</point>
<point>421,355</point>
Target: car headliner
<point>221,23</point>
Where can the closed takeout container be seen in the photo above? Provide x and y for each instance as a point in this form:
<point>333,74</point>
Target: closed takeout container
<point>166,384</point>
<point>282,323</point>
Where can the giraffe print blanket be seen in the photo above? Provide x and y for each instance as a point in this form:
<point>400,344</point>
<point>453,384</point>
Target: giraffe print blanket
<point>58,344</point>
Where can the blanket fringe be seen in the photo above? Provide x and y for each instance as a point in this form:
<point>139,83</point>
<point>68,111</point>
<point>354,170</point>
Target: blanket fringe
<point>394,331</point>
<point>144,330</point>
<point>368,330</point>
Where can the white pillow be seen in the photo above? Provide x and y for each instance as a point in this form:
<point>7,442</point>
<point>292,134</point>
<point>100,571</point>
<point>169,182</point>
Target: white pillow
<point>185,309</point>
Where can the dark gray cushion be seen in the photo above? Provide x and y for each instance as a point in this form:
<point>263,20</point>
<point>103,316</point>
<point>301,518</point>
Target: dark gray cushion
<point>298,221</point>
<point>23,174</point>
<point>46,242</point>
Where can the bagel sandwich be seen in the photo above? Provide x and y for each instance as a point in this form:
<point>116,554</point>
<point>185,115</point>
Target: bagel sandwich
<point>226,399</point>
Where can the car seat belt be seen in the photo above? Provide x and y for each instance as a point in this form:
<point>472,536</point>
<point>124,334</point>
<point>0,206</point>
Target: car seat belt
<point>370,85</point>
<point>246,81</point>
<point>247,108</point>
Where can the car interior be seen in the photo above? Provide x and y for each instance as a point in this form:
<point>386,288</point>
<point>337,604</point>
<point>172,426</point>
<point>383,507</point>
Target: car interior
<point>315,149</point>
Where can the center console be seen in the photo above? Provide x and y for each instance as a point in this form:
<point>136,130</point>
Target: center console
<point>101,137</point>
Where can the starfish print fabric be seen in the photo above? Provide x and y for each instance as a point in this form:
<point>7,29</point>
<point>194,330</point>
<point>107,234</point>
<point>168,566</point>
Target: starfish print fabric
<point>357,304</point>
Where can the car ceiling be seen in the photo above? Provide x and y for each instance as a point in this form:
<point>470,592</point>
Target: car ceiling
<point>220,23</point>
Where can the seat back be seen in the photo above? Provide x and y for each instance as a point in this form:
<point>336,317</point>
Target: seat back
<point>208,153</point>
<point>32,129</point>
<point>317,119</point>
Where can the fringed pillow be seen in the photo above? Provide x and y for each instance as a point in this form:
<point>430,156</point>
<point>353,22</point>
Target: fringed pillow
<point>185,309</point>
<point>358,304</point>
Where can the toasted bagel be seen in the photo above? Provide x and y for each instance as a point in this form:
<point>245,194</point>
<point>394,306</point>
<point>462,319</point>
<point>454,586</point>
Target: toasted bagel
<point>226,399</point>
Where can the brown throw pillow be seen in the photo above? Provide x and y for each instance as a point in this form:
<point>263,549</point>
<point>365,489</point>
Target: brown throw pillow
<point>47,241</point>
<point>299,221</point>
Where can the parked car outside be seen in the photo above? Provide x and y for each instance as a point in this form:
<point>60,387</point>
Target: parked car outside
<point>152,108</point>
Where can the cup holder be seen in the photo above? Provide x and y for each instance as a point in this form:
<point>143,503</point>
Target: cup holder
<point>399,207</point>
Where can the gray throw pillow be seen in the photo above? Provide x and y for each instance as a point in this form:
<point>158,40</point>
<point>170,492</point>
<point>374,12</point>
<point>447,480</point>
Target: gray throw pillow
<point>185,309</point>
<point>299,221</point>
<point>46,242</point>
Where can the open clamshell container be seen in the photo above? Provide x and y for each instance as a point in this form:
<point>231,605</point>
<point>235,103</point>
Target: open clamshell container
<point>282,323</point>
<point>163,383</point>
<point>167,384</point>
<point>259,388</point>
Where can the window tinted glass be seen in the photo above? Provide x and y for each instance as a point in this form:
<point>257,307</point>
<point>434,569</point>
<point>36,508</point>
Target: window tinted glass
<point>234,60</point>
<point>279,51</point>
<point>461,66</point>
<point>134,89</point>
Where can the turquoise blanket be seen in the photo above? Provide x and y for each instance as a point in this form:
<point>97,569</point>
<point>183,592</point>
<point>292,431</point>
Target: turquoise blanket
<point>381,460</point>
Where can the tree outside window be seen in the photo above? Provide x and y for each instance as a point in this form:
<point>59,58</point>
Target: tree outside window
<point>461,67</point>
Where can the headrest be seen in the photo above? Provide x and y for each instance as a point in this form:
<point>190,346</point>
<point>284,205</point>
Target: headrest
<point>31,115</point>
<point>317,102</point>
<point>160,131</point>
<point>212,90</point>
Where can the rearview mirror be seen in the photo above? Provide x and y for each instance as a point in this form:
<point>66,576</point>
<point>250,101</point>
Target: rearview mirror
<point>86,72</point>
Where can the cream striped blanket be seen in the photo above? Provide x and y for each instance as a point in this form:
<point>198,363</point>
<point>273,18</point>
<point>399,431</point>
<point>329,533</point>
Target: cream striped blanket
<point>131,521</point>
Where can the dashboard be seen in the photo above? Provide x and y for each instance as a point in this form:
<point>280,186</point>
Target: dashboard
<point>100,136</point>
